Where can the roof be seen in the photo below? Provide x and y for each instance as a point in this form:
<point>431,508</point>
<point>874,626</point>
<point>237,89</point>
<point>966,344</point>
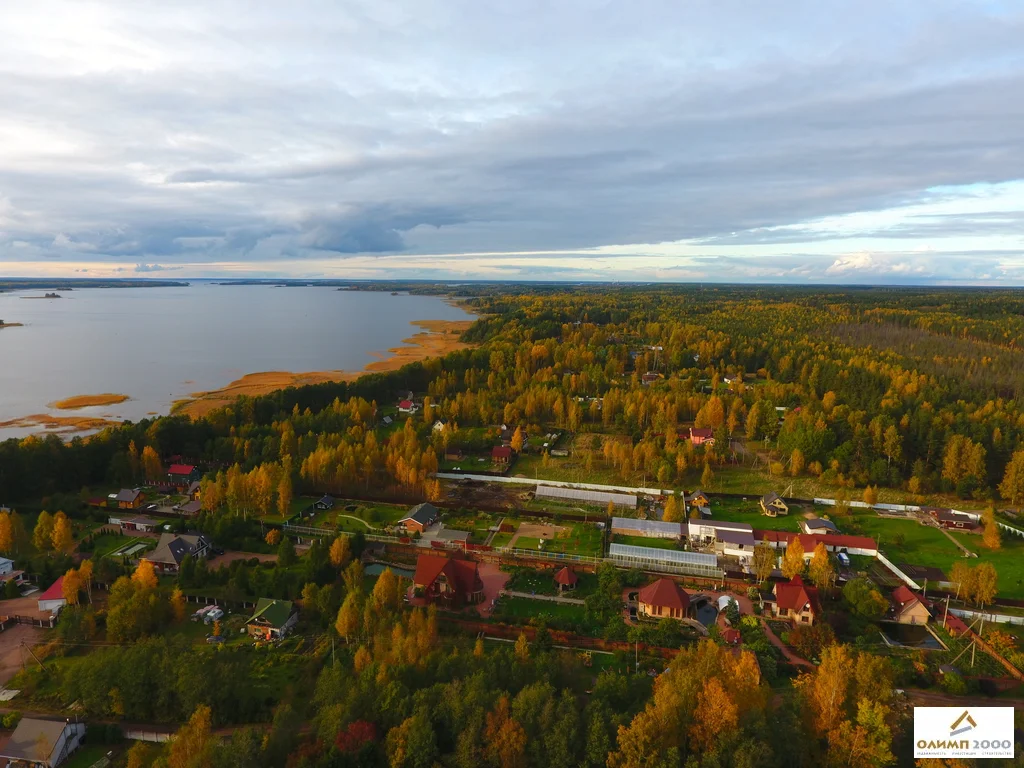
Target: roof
<point>127,494</point>
<point>405,404</point>
<point>55,592</point>
<point>181,469</point>
<point>702,432</point>
<point>453,534</point>
<point>141,521</point>
<point>688,497</point>
<point>584,494</point>
<point>643,527</point>
<point>34,740</point>
<point>726,525</point>
<point>795,595</point>
<point>172,548</point>
<point>501,452</point>
<point>732,636</point>
<point>738,538</point>
<point>274,612</point>
<point>422,513</point>
<point>567,577</point>
<point>193,487</point>
<point>811,540</point>
<point>668,556</point>
<point>902,596</point>
<point>325,499</point>
<point>665,593</point>
<point>191,507</point>
<point>956,624</point>
<point>462,575</point>
<point>770,498</point>
<point>818,523</point>
<point>923,572</point>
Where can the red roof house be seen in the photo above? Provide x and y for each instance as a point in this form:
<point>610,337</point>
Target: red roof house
<point>53,598</point>
<point>501,454</point>
<point>180,469</point>
<point>702,435</point>
<point>796,600</point>
<point>566,579</point>
<point>447,579</point>
<point>663,598</point>
<point>834,542</point>
<point>908,608</point>
<point>732,636</point>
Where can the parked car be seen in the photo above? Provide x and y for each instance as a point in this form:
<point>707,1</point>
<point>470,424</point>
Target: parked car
<point>201,613</point>
<point>213,615</point>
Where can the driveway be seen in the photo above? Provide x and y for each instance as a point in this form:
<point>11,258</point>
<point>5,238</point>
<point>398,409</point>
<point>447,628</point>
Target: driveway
<point>11,653</point>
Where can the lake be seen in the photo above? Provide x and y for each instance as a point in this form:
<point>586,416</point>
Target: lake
<point>158,345</point>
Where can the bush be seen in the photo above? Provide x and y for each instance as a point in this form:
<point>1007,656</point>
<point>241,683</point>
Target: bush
<point>10,720</point>
<point>954,684</point>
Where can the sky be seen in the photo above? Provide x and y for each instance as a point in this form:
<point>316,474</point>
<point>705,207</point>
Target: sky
<point>798,142</point>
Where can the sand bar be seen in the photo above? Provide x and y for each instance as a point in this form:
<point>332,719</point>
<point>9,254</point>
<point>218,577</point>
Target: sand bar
<point>85,401</point>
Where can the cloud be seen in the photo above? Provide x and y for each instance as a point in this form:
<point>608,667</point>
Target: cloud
<point>153,268</point>
<point>625,139</point>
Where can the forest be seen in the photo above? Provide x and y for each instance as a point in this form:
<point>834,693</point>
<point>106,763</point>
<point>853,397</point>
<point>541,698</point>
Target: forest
<point>908,394</point>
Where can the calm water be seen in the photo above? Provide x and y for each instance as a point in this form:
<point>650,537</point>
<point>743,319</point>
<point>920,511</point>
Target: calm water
<point>158,345</point>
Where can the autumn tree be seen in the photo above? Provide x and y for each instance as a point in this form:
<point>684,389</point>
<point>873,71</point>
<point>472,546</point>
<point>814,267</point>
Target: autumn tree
<point>273,537</point>
<point>341,552</point>
<point>42,535</point>
<point>711,414</point>
<point>991,537</point>
<point>1012,487</point>
<point>964,577</point>
<point>821,570</point>
<point>716,713</point>
<point>85,569</point>
<point>522,649</point>
<point>707,477</point>
<point>151,466</point>
<point>193,744</point>
<point>764,561</point>
<point>985,584</point>
<point>865,741</point>
<point>796,462</point>
<point>518,440</point>
<point>826,689</point>
<point>673,513</point>
<point>71,586</point>
<point>145,575</point>
<point>387,593</point>
<point>870,496</point>
<point>963,458</point>
<point>412,744</point>
<point>6,534</point>
<point>793,560</point>
<point>62,537</point>
<point>349,615</point>
<point>284,488</point>
<point>178,608</point>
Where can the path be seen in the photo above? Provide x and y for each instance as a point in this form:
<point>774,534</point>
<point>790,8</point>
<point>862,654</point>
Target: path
<point>12,655</point>
<point>791,657</point>
<point>956,543</point>
<point>357,519</point>
<point>549,598</point>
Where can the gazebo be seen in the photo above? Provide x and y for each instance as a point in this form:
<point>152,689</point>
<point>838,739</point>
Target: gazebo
<point>566,579</point>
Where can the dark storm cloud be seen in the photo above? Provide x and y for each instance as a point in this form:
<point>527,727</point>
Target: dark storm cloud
<point>431,128</point>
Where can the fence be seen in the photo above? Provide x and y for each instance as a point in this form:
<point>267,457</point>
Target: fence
<point>329,533</point>
<point>7,621</point>
<point>897,572</point>
<point>542,555</point>
<point>1010,528</point>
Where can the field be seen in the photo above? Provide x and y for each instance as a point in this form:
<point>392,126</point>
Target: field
<point>749,511</point>
<point>349,515</point>
<point>574,539</point>
<point>542,582</point>
<point>644,541</point>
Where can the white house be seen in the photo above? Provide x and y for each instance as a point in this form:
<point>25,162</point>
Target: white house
<point>8,573</point>
<point>42,743</point>
<point>52,600</point>
<point>706,531</point>
<point>819,526</point>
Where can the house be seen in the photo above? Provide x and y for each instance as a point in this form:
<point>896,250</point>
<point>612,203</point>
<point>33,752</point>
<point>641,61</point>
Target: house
<point>193,491</point>
<point>834,542</point>
<point>697,499</point>
<point>705,532</point>
<point>420,517</point>
<point>39,743</point>
<point>738,544</point>
<point>438,426</point>
<point>501,454</point>
<point>907,608</point>
<point>324,502</point>
<point>272,619</point>
<point>818,526</point>
<point>663,598</point>
<point>566,579</point>
<point>454,582</point>
<point>138,524</point>
<point>948,518</point>
<point>172,548</point>
<point>731,636</point>
<point>772,505</point>
<point>127,498</point>
<point>408,406</point>
<point>8,572</point>
<point>190,508</point>
<point>650,377</point>
<point>181,476</point>
<point>52,599</point>
<point>702,436</point>
<point>795,601</point>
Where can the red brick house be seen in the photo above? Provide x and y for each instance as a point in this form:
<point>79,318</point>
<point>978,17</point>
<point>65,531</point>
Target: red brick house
<point>420,517</point>
<point>450,581</point>
<point>663,598</point>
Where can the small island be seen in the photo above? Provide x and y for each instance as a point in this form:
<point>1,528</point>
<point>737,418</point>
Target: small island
<point>9,325</point>
<point>85,401</point>
<point>44,296</point>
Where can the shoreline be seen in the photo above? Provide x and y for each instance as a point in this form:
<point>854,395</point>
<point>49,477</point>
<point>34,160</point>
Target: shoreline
<point>437,338</point>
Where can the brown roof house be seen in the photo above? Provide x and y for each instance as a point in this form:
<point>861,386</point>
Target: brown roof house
<point>907,608</point>
<point>663,598</point>
<point>450,581</point>
<point>773,505</point>
<point>172,548</point>
<point>795,601</point>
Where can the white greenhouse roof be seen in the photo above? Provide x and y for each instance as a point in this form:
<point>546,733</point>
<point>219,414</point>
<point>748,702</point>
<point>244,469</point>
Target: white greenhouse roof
<point>647,526</point>
<point>595,497</point>
<point>673,556</point>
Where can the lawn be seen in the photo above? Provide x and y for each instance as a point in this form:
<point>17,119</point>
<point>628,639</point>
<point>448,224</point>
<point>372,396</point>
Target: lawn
<point>89,754</point>
<point>581,539</point>
<point>542,582</point>
<point>567,469</point>
<point>478,526</point>
<point>644,541</point>
<point>108,543</point>
<point>1008,561</point>
<point>347,514</point>
<point>749,511</point>
<point>501,539</point>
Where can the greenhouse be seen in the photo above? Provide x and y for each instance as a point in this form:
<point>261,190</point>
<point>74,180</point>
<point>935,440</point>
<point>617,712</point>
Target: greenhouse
<point>652,529</point>
<point>665,560</point>
<point>590,497</point>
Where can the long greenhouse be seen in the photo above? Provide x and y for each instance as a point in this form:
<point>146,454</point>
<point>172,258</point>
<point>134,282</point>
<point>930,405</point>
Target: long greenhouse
<point>651,529</point>
<point>666,560</point>
<point>592,497</point>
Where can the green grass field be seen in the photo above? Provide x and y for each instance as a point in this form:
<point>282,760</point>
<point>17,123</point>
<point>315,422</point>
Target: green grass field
<point>644,541</point>
<point>749,511</point>
<point>582,539</point>
<point>527,608</point>
<point>542,582</point>
<point>501,539</point>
